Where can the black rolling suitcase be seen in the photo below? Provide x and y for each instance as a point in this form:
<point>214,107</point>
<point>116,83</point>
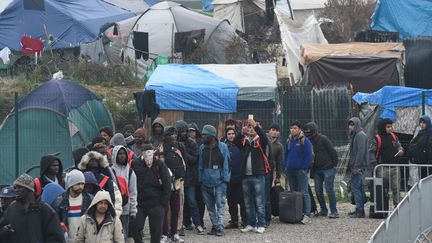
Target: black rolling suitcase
<point>290,207</point>
<point>274,199</point>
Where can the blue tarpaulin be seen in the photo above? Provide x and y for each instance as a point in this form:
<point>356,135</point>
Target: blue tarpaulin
<point>69,23</point>
<point>389,98</point>
<point>411,18</point>
<point>190,88</point>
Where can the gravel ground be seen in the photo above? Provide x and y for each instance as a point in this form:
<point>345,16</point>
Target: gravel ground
<point>322,229</point>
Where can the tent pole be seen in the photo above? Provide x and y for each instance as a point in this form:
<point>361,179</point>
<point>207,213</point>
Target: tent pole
<point>16,137</point>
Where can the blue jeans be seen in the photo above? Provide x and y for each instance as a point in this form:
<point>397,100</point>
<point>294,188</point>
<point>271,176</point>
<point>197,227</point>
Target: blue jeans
<point>298,181</point>
<point>214,199</point>
<point>254,197</point>
<point>190,192</point>
<point>327,177</point>
<point>357,191</point>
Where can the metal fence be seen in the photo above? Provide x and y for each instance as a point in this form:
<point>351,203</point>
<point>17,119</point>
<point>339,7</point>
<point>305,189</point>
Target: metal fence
<point>411,218</point>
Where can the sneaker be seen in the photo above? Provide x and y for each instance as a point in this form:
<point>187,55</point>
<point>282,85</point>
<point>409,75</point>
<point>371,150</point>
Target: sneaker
<point>176,238</point>
<point>334,215</point>
<point>232,225</point>
<point>182,231</point>
<point>260,230</point>
<point>248,229</point>
<point>164,239</point>
<point>212,232</point>
<point>220,233</point>
<point>306,220</point>
<point>200,230</point>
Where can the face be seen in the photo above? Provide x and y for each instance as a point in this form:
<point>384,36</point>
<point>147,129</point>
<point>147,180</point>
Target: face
<point>21,192</point>
<point>102,206</point>
<point>78,188</point>
<point>206,139</point>
<point>174,137</point>
<point>251,131</point>
<point>295,130</point>
<point>122,157</point>
<point>230,135</point>
<point>192,133</point>
<point>54,168</point>
<point>422,125</point>
<point>93,165</point>
<point>274,133</point>
<point>183,134</point>
<point>389,128</point>
<point>127,133</point>
<point>351,127</point>
<point>106,137</point>
<point>158,128</point>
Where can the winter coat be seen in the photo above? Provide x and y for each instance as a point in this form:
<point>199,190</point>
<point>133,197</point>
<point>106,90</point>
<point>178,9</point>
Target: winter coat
<point>190,154</point>
<point>234,162</point>
<point>123,170</point>
<point>37,223</point>
<point>64,206</point>
<point>111,230</point>
<point>325,155</point>
<point>154,187</point>
<point>156,139</point>
<point>389,147</point>
<point>277,155</point>
<point>45,163</point>
<point>359,147</point>
<point>246,147</point>
<point>50,194</point>
<point>209,176</point>
<point>298,153</point>
<point>420,148</point>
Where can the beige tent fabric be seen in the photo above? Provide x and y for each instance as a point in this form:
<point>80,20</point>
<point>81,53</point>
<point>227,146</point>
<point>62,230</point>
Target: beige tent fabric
<point>313,52</point>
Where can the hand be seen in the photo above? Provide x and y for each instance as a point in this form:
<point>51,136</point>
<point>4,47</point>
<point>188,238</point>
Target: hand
<point>245,130</point>
<point>399,153</point>
<point>6,230</point>
<point>252,123</point>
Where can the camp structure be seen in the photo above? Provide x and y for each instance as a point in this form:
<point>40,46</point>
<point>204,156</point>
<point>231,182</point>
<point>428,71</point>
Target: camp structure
<point>366,66</point>
<point>209,94</point>
<point>57,117</point>
<point>60,24</point>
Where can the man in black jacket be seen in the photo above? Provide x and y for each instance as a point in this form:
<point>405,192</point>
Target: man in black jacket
<point>323,168</point>
<point>154,191</point>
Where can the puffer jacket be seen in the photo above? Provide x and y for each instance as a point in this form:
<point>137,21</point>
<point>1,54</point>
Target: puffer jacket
<point>111,230</point>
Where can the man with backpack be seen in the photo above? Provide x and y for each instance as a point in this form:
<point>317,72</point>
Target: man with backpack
<point>385,148</point>
<point>154,190</point>
<point>323,168</point>
<point>127,183</point>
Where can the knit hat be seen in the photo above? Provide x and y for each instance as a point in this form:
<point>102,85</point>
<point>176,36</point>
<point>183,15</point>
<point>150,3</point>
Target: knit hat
<point>141,132</point>
<point>209,130</point>
<point>26,181</point>
<point>169,130</point>
<point>74,177</point>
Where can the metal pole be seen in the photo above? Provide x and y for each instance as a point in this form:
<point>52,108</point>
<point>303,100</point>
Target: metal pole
<point>423,103</point>
<point>16,137</point>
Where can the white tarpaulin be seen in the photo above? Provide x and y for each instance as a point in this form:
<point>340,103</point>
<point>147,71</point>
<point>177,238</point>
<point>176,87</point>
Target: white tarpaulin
<point>307,4</point>
<point>293,34</point>
<point>256,82</point>
<point>230,10</point>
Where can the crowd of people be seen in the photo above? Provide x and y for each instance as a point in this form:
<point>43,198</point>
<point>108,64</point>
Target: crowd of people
<point>172,176</point>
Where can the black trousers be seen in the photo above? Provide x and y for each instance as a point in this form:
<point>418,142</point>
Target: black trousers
<point>155,215</point>
<point>235,198</point>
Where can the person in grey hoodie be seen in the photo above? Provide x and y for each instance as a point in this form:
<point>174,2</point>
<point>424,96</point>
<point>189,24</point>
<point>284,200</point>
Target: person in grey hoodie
<point>357,163</point>
<point>122,168</point>
<point>157,130</point>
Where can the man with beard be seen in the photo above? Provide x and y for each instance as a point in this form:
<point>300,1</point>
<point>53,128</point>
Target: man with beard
<point>28,220</point>
<point>75,203</point>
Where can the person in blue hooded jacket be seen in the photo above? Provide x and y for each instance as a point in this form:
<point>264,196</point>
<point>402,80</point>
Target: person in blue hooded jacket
<point>420,148</point>
<point>214,175</point>
<point>53,195</point>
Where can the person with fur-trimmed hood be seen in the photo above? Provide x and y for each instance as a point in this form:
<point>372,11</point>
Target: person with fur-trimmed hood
<point>100,223</point>
<point>99,166</point>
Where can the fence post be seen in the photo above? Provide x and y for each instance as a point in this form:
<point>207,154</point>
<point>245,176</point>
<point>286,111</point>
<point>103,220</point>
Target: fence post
<point>16,137</point>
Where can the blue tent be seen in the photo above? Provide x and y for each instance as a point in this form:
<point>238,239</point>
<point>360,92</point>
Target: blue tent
<point>190,88</point>
<point>409,18</point>
<point>389,98</point>
<point>69,23</point>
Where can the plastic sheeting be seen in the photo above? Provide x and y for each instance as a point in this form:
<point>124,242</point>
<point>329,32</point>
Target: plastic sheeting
<point>230,10</point>
<point>190,88</point>
<point>69,22</point>
<point>409,18</point>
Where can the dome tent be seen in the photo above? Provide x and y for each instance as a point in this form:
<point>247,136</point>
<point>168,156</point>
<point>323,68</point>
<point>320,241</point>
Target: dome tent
<point>57,117</point>
<point>163,20</point>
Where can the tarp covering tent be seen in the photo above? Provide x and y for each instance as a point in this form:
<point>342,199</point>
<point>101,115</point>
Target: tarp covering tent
<point>230,10</point>
<point>163,20</point>
<point>366,66</point>
<point>134,6</point>
<point>409,18</point>
<point>401,104</point>
<point>190,88</point>
<point>58,116</point>
<point>69,23</point>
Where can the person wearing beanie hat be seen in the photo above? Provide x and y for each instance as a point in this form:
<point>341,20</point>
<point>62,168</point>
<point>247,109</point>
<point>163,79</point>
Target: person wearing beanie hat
<point>139,136</point>
<point>18,221</point>
<point>214,175</point>
<point>75,202</point>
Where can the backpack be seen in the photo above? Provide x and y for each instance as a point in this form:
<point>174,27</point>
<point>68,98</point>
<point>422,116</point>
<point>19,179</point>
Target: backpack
<point>379,143</point>
<point>123,186</point>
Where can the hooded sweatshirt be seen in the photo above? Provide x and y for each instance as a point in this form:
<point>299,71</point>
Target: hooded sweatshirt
<point>45,163</point>
<point>298,153</point>
<point>124,171</point>
<point>50,193</point>
<point>325,156</point>
<point>419,148</point>
<point>111,229</point>
<point>156,139</point>
<point>358,148</point>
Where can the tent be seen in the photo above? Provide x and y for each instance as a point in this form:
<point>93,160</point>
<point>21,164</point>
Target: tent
<point>134,6</point>
<point>366,66</point>
<point>166,21</point>
<point>230,10</point>
<point>68,23</point>
<point>58,116</point>
<point>409,18</point>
